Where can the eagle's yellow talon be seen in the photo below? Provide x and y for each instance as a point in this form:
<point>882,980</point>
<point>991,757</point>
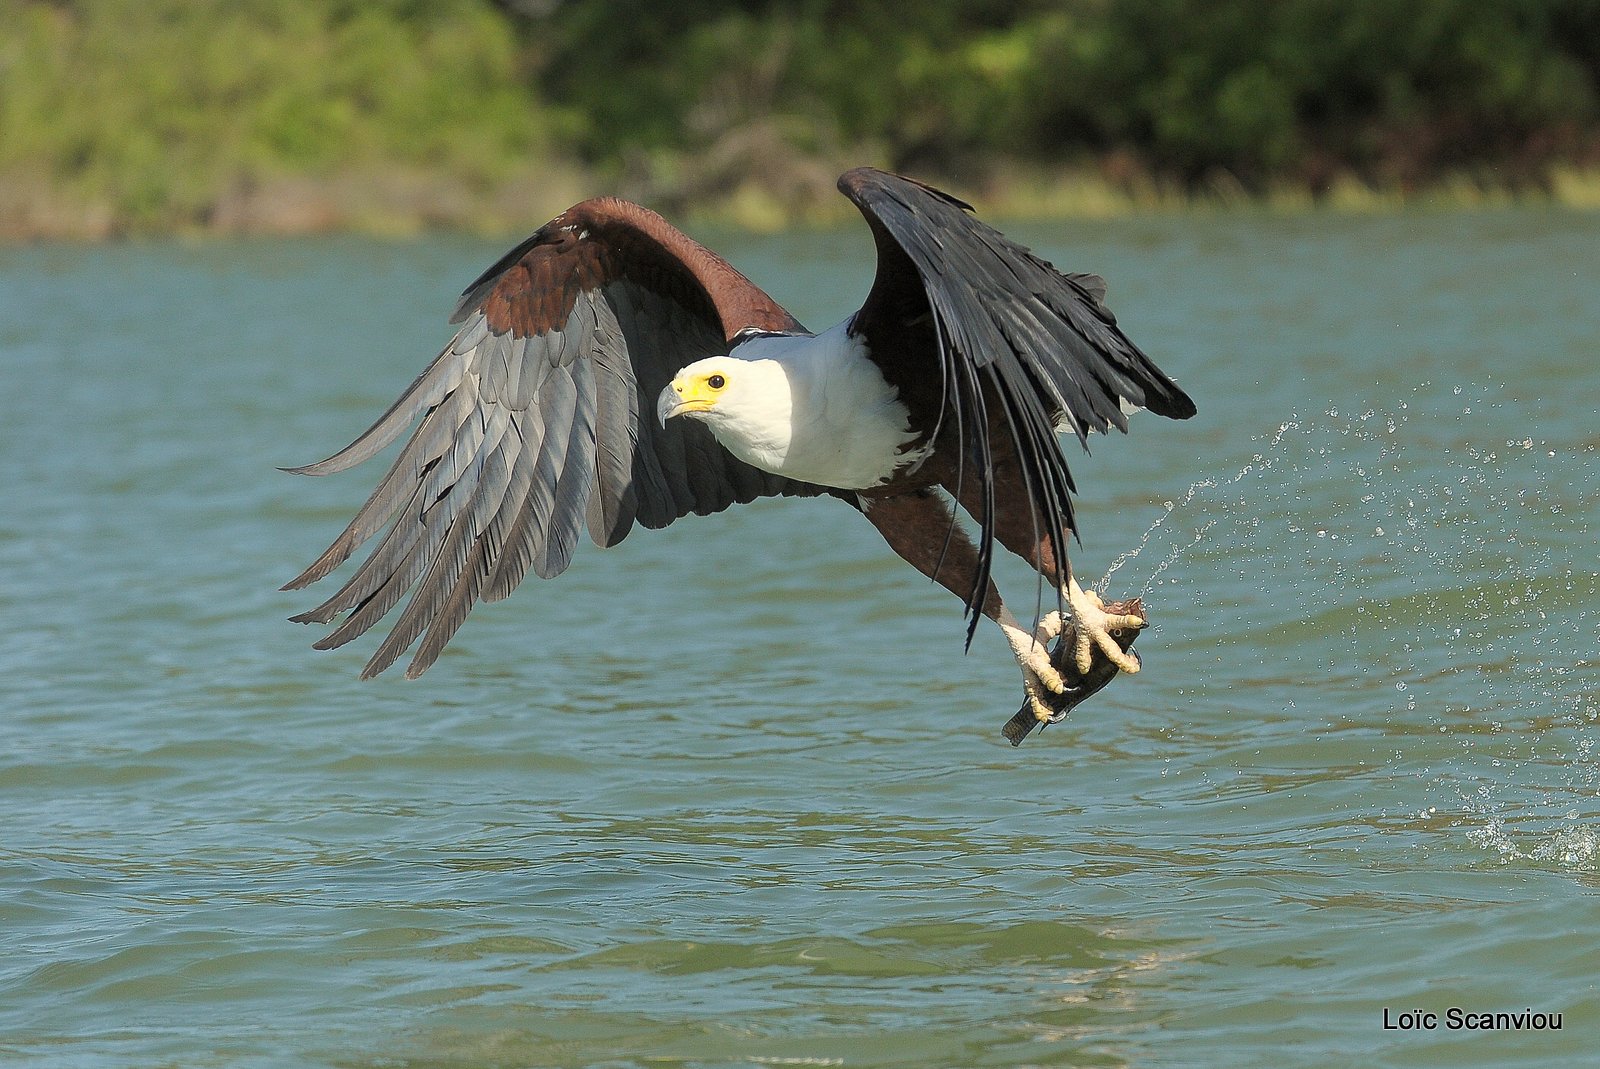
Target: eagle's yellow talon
<point>1094,627</point>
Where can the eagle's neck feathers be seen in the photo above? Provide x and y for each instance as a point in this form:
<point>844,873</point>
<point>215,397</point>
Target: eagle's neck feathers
<point>819,411</point>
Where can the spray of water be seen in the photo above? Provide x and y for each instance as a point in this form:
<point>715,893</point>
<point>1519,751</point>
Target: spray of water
<point>1409,549</point>
<point>1259,463</point>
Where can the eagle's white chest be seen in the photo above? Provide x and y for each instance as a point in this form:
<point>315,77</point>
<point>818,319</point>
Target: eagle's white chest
<point>824,413</point>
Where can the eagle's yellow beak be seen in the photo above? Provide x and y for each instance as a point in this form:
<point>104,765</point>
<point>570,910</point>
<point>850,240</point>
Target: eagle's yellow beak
<point>684,395</point>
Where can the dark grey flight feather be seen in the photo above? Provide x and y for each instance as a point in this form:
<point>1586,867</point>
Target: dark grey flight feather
<point>1010,325</point>
<point>524,441</point>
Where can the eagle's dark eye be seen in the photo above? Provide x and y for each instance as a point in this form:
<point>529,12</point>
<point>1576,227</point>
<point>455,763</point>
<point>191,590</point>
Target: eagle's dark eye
<point>716,382</point>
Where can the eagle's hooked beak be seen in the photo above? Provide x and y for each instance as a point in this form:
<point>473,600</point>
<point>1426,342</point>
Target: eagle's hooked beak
<point>678,398</point>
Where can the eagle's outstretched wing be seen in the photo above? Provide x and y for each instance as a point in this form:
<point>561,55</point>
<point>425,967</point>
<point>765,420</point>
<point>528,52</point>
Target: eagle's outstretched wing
<point>537,420</point>
<point>1001,329</point>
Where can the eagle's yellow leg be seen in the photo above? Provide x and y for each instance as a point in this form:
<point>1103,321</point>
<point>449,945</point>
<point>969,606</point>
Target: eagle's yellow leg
<point>1039,676</point>
<point>1093,628</point>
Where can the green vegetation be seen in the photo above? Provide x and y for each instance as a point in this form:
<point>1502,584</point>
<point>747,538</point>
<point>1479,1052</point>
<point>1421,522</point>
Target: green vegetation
<point>144,115</point>
<point>121,116</point>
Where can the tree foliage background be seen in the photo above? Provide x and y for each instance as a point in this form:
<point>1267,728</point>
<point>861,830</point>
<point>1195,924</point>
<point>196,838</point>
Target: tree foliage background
<point>130,115</point>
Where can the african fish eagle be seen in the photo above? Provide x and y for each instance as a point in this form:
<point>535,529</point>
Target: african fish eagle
<point>610,371</point>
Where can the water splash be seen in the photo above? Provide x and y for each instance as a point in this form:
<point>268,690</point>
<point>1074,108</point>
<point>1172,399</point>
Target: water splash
<point>1261,462</point>
<point>1435,564</point>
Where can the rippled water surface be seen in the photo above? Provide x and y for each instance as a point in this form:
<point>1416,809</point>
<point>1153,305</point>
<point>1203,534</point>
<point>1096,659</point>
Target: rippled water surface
<point>730,794</point>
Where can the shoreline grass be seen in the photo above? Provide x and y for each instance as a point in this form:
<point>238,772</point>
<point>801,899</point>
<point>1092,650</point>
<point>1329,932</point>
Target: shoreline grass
<point>134,118</point>
<point>400,203</point>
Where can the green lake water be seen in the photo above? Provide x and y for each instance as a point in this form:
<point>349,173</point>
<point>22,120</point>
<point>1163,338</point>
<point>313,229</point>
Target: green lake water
<point>731,794</point>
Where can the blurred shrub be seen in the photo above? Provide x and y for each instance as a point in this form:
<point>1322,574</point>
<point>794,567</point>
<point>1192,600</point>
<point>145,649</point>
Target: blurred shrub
<point>158,107</point>
<point>161,113</point>
<point>1260,89</point>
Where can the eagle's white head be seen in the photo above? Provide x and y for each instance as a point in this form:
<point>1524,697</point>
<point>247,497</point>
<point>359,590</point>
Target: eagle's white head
<point>814,408</point>
<point>747,404</point>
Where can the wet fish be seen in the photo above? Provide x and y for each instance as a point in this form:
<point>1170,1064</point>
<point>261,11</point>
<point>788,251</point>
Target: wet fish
<point>1080,685</point>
